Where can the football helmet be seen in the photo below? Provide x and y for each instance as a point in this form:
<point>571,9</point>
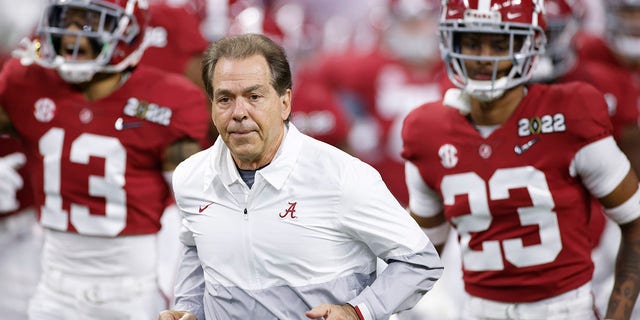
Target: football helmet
<point>521,20</point>
<point>80,38</point>
<point>622,29</point>
<point>411,34</point>
<point>563,21</point>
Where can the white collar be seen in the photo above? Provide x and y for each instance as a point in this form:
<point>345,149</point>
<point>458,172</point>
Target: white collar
<point>221,165</point>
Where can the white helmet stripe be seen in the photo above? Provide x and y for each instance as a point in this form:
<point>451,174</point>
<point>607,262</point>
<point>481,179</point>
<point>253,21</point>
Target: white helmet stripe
<point>484,5</point>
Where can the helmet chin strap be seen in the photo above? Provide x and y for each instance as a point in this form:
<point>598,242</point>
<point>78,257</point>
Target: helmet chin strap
<point>486,90</point>
<point>77,73</point>
<point>85,71</point>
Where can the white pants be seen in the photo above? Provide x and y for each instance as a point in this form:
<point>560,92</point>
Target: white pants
<point>20,250</point>
<point>69,297</point>
<point>576,304</point>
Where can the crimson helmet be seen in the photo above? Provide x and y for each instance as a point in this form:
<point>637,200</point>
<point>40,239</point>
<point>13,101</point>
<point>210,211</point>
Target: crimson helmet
<point>115,30</point>
<point>622,30</point>
<point>521,20</point>
<point>563,19</point>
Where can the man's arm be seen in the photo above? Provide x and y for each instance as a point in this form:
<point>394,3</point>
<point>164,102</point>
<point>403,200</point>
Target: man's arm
<point>425,206</point>
<point>189,288</point>
<point>627,279</point>
<point>607,174</point>
<point>178,152</point>
<point>626,287</point>
<point>373,216</point>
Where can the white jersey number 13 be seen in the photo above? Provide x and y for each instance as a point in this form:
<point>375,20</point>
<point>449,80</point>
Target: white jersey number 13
<point>110,186</point>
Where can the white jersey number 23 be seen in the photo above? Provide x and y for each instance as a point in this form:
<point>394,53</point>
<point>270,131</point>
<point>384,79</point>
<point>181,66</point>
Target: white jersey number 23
<point>110,186</point>
<point>490,256</point>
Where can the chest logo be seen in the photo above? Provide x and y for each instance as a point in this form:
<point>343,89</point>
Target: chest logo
<point>520,149</point>
<point>485,151</point>
<point>448,155</point>
<point>545,124</point>
<point>291,211</point>
<point>44,110</point>
<point>201,208</point>
<point>148,111</point>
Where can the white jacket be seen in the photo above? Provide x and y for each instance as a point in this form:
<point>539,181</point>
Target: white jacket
<point>308,232</point>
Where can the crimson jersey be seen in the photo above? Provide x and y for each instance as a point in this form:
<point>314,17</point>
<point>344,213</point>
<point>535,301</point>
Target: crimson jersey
<point>378,91</point>
<point>521,213</point>
<point>620,85</point>
<point>96,167</point>
<point>184,39</point>
<point>318,113</point>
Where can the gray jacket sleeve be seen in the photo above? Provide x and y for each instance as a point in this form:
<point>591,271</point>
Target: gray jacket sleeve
<point>189,287</point>
<point>401,285</point>
<point>374,217</point>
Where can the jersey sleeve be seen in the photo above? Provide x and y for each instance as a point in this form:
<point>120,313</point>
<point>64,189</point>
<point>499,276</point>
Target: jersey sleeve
<point>585,110</point>
<point>184,39</point>
<point>8,70</point>
<point>423,201</point>
<point>414,129</point>
<point>191,118</point>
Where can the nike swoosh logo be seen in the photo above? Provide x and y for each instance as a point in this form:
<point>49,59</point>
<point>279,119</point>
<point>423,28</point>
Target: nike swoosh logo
<point>513,15</point>
<point>121,125</point>
<point>520,149</point>
<point>201,208</point>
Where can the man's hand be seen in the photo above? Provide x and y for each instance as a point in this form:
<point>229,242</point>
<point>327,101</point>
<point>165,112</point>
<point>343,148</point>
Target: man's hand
<point>333,312</point>
<point>176,315</point>
<point>10,181</point>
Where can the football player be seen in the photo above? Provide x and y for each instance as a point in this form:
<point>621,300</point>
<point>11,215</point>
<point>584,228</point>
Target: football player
<point>20,235</point>
<point>102,135</point>
<point>378,88</point>
<point>185,43</point>
<point>512,167</point>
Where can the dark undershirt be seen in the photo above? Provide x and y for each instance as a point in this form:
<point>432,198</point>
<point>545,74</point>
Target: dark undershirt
<point>248,176</point>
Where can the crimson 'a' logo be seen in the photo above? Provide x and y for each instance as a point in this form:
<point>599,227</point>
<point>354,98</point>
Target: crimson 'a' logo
<point>290,211</point>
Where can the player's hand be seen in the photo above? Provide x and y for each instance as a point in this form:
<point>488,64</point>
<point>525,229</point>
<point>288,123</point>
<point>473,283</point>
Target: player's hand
<point>333,312</point>
<point>26,51</point>
<point>176,315</point>
<point>10,181</point>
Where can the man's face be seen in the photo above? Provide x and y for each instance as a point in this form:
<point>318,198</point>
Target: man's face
<point>486,45</point>
<point>80,20</point>
<point>247,111</point>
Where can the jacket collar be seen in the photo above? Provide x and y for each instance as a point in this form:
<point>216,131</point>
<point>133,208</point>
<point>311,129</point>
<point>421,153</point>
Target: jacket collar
<point>221,166</point>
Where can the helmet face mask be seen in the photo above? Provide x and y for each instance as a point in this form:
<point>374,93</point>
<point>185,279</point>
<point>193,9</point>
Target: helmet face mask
<point>411,32</point>
<point>80,38</point>
<point>563,20</point>
<point>518,25</point>
<point>622,30</point>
